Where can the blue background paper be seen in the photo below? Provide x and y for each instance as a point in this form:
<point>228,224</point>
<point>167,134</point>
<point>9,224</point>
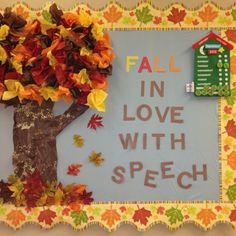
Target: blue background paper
<point>200,126</point>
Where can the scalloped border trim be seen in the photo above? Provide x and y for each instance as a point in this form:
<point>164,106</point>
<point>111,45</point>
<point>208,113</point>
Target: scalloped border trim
<point>114,16</point>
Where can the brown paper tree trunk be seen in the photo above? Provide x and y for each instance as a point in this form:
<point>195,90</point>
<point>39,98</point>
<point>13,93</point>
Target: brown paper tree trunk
<point>34,136</point>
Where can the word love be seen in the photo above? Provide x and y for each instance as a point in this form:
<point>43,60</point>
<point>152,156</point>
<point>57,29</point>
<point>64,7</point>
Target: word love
<point>184,179</point>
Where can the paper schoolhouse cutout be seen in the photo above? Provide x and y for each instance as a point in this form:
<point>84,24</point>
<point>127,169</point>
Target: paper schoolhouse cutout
<point>211,67</point>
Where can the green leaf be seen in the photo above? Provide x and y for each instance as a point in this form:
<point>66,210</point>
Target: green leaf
<point>143,15</point>
<point>232,98</point>
<point>192,210</point>
<point>174,215</point>
<point>222,20</point>
<point>3,211</point>
<point>153,209</point>
<point>229,174</point>
<point>126,20</point>
<point>231,192</point>
<point>233,13</point>
<point>97,211</point>
<point>47,16</point>
<point>79,217</point>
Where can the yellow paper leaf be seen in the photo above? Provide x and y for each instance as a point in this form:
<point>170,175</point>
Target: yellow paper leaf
<point>96,158</point>
<point>78,141</point>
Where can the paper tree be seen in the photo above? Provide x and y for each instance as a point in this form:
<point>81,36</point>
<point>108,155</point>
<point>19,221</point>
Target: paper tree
<point>63,56</point>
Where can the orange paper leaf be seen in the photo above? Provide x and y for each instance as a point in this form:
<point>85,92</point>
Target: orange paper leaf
<point>231,128</point>
<point>233,64</point>
<point>16,217</point>
<point>208,15</point>
<point>110,216</point>
<point>112,15</point>
<point>22,12</point>
<point>206,216</point>
<point>231,160</point>
<point>231,35</point>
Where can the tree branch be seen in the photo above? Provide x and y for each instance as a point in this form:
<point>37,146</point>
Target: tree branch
<point>73,112</point>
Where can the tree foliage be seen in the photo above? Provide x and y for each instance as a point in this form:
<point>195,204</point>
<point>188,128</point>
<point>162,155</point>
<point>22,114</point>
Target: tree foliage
<point>61,56</point>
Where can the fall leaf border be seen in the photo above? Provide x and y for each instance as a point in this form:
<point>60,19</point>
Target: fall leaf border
<point>147,214</point>
<point>147,16</point>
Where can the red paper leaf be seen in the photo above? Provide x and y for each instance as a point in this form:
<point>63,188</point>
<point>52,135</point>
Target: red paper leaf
<point>157,20</point>
<point>218,208</point>
<point>231,35</point>
<point>47,216</point>
<point>160,210</point>
<point>176,15</point>
<point>233,215</point>
<point>141,215</point>
<point>95,122</point>
<point>66,211</point>
<point>231,128</point>
<point>74,169</point>
<point>86,197</point>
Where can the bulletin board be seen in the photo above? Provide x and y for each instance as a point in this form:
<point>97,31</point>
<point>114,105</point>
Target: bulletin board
<point>154,152</point>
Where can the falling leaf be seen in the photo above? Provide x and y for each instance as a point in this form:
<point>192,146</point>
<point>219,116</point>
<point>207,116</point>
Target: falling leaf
<point>232,98</point>
<point>142,215</point>
<point>78,141</point>
<point>174,215</point>
<point>233,64</point>
<point>79,217</point>
<point>233,215</point>
<point>16,217</point>
<point>74,169</point>
<point>206,216</point>
<point>208,14</point>
<point>231,128</point>
<point>176,15</point>
<point>110,216</point>
<point>22,12</point>
<point>231,192</point>
<point>143,16</point>
<point>95,122</point>
<point>231,160</point>
<point>112,15</point>
<point>96,158</point>
<point>47,216</point>
<point>231,35</point>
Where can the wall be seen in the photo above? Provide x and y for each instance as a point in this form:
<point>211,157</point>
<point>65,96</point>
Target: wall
<point>59,230</point>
